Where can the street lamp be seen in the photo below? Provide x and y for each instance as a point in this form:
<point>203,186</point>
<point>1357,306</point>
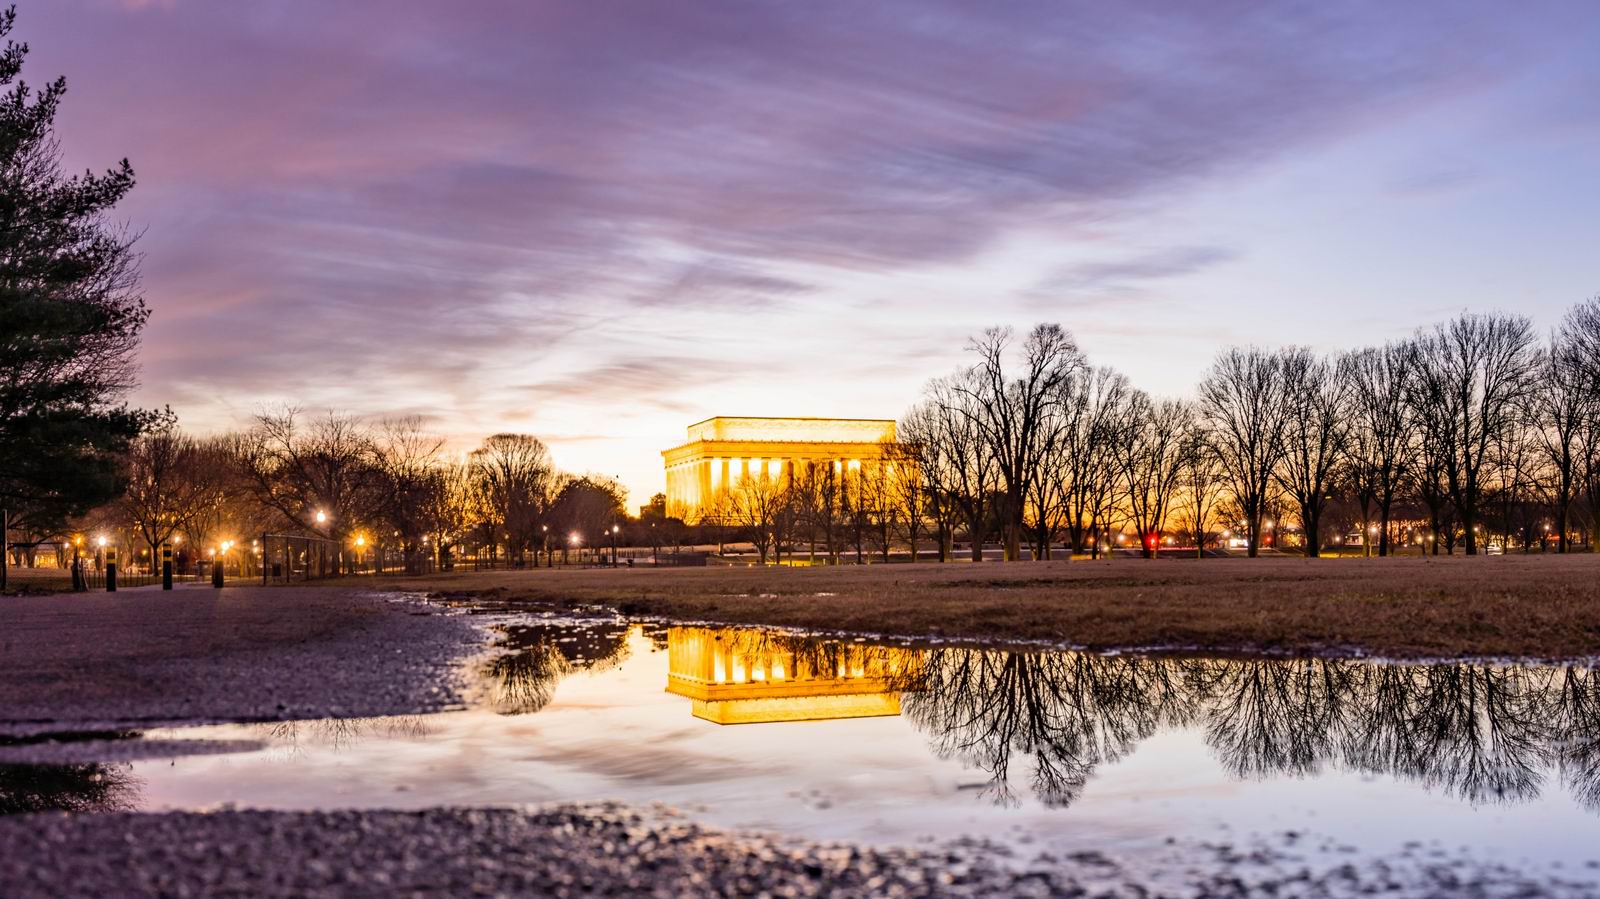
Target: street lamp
<point>614,530</point>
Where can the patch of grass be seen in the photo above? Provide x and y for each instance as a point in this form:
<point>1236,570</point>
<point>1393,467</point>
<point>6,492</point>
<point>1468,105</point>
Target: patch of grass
<point>35,581</point>
<point>1537,606</point>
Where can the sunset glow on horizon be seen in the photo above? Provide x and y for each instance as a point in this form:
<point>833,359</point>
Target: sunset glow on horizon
<point>600,223</point>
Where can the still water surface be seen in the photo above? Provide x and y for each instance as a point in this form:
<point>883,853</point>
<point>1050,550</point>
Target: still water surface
<point>1046,751</point>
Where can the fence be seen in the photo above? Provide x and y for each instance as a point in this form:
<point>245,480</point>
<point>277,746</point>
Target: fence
<point>290,557</point>
<point>93,577</point>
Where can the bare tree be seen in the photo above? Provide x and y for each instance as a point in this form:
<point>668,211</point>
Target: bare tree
<point>1151,462</point>
<point>1200,479</point>
<point>1242,401</point>
<point>1560,404</point>
<point>821,503</point>
<point>1382,426</point>
<point>519,483</point>
<point>971,473</point>
<point>1092,426</point>
<point>906,491</point>
<point>923,437</point>
<point>300,469</point>
<point>169,480</point>
<point>1013,411</point>
<point>1314,437</point>
<point>758,500</point>
<point>407,459</point>
<point>1580,334</point>
<point>588,507</point>
<point>1477,370</point>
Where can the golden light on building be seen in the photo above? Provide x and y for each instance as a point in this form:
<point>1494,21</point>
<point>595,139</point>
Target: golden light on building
<point>721,451</point>
<point>742,676</point>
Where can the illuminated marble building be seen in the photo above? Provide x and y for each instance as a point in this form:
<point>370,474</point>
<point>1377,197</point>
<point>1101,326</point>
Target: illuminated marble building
<point>720,451</point>
<point>742,676</point>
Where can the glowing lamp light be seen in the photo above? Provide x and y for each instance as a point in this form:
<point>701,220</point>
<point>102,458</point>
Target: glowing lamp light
<point>361,541</point>
<point>322,517</point>
<point>573,538</point>
<point>101,541</point>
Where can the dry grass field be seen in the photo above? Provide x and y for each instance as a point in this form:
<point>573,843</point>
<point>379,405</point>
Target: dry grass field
<point>1538,606</point>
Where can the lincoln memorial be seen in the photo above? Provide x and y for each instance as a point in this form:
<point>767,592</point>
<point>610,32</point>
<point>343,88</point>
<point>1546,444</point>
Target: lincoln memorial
<point>743,676</point>
<point>721,451</point>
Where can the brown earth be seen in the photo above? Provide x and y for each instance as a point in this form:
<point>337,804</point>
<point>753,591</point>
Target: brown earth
<point>1534,606</point>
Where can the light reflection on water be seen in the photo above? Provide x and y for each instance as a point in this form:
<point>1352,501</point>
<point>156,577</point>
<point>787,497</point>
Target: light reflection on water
<point>1062,750</point>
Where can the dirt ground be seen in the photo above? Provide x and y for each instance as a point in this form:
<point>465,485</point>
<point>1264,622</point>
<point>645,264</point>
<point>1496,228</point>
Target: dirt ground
<point>1535,606</point>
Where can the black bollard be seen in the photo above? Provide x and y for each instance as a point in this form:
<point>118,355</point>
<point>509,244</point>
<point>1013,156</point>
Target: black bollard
<point>166,566</point>
<point>216,573</point>
<point>111,570</point>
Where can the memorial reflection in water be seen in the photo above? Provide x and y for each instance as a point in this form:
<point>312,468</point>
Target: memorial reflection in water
<point>1034,723</point>
<point>1044,721</point>
<point>743,676</point>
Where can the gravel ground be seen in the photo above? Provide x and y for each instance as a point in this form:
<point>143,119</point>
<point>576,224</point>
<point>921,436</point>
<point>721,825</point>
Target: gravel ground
<point>50,752</point>
<point>611,850</point>
<point>195,655</point>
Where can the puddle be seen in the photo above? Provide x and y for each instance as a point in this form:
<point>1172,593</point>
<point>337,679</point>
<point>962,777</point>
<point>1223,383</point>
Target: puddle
<point>845,739</point>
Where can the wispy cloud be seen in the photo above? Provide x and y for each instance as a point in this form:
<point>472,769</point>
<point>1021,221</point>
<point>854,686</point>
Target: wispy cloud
<point>396,207</point>
<point>1131,274</point>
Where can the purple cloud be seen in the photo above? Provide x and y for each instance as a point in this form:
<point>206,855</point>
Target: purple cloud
<point>438,200</point>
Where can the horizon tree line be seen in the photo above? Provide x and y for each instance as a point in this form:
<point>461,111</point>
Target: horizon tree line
<point>337,477</point>
<point>1475,425</point>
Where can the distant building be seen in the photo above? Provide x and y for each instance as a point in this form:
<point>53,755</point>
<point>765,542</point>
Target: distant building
<point>721,451</point>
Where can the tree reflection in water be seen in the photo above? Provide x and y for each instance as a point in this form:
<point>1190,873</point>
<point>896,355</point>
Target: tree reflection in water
<point>1066,712</point>
<point>337,734</point>
<point>1483,733</point>
<point>1577,726</point>
<point>522,679</point>
<point>66,788</point>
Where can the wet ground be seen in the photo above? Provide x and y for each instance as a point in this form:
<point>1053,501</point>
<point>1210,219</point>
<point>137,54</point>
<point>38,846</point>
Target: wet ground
<point>1260,765</point>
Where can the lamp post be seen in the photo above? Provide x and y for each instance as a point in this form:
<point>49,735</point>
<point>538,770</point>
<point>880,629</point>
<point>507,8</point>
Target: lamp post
<point>77,563</point>
<point>110,555</point>
<point>549,557</point>
<point>614,529</point>
<point>574,540</point>
<point>218,561</point>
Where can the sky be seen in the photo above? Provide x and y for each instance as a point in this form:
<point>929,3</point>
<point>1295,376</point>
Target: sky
<point>601,221</point>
